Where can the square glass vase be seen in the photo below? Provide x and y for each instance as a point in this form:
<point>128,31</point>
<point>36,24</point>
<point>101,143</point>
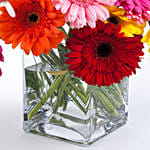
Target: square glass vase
<point>61,106</point>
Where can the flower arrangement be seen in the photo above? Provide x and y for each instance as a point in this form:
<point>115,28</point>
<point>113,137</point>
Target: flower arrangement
<point>83,51</point>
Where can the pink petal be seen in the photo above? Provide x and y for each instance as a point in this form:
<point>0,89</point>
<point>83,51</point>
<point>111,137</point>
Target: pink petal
<point>65,7</point>
<point>73,25</point>
<point>73,12</point>
<point>81,17</point>
<point>91,16</point>
<point>67,17</point>
<point>107,2</point>
<point>76,24</point>
<point>0,72</point>
<point>62,1</point>
<point>101,12</point>
<point>1,49</point>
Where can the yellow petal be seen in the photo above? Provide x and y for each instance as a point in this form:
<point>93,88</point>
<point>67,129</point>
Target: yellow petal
<point>146,38</point>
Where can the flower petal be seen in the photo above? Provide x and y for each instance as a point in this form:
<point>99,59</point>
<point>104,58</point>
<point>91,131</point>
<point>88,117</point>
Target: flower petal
<point>65,7</point>
<point>101,12</point>
<point>91,16</point>
<point>107,2</point>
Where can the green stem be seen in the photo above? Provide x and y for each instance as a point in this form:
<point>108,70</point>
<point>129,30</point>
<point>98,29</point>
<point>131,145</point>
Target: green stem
<point>48,59</point>
<point>119,92</point>
<point>65,98</point>
<point>75,100</point>
<point>96,97</point>
<point>81,88</point>
<point>47,78</point>
<point>55,58</point>
<point>51,90</point>
<point>42,59</point>
<point>108,104</point>
<point>109,97</point>
<point>117,88</point>
<point>61,47</point>
<point>63,30</point>
<point>61,89</point>
<point>116,94</point>
<point>79,94</point>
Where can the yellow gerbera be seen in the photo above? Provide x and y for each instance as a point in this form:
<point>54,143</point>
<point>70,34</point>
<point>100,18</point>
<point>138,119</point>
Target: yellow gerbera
<point>146,38</point>
<point>129,27</point>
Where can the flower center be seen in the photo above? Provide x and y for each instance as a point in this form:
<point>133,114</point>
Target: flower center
<point>104,50</point>
<point>33,17</point>
<point>113,20</point>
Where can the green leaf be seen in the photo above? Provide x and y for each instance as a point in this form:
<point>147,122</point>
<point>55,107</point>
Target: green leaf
<point>63,30</point>
<point>55,58</point>
<point>49,60</point>
<point>78,93</point>
<point>61,90</point>
<point>114,102</point>
<point>107,103</point>
<point>33,81</point>
<point>75,100</point>
<point>51,90</point>
<point>114,92</point>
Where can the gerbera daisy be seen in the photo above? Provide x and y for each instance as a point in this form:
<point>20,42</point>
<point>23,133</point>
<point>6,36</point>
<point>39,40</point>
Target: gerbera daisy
<point>136,9</point>
<point>103,55</point>
<point>1,59</point>
<point>35,26</point>
<point>80,12</point>
<point>128,27</point>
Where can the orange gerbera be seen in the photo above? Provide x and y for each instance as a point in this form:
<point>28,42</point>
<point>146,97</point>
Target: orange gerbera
<point>35,26</point>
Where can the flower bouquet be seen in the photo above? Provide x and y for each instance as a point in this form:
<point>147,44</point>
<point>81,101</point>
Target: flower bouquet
<point>78,55</point>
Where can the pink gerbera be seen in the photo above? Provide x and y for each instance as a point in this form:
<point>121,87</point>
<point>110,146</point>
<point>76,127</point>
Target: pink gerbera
<point>1,59</point>
<point>81,12</point>
<point>136,9</point>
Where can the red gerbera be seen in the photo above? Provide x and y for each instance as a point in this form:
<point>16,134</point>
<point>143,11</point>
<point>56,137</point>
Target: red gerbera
<point>1,59</point>
<point>35,26</point>
<point>103,55</point>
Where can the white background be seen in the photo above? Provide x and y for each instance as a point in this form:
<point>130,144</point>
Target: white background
<point>133,136</point>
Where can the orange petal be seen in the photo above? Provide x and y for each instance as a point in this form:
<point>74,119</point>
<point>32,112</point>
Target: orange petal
<point>44,42</point>
<point>37,49</point>
<point>58,22</point>
<point>27,43</point>
<point>51,15</point>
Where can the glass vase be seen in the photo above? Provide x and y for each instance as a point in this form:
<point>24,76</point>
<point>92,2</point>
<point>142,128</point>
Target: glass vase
<point>59,105</point>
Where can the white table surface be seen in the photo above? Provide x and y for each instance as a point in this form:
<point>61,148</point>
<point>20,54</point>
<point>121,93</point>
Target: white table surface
<point>135,135</point>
